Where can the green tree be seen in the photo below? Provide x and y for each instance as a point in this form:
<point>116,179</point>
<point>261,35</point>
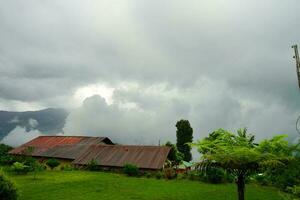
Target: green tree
<point>287,175</point>
<point>240,156</point>
<point>184,136</point>
<point>174,155</point>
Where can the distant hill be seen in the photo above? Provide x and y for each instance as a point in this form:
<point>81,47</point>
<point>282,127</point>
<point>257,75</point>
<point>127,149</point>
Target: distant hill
<point>47,121</point>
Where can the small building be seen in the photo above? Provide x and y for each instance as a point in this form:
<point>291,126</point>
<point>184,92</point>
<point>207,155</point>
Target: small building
<point>80,151</point>
<point>185,167</point>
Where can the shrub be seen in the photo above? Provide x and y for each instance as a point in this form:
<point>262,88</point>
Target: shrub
<point>131,170</point>
<point>36,167</point>
<point>31,163</point>
<point>169,173</point>
<point>93,165</point>
<point>5,158</point>
<point>159,175</point>
<point>20,168</point>
<point>182,176</point>
<point>66,168</point>
<point>215,175</point>
<point>8,190</point>
<point>194,175</point>
<point>261,179</point>
<point>26,160</point>
<point>229,178</point>
<point>148,175</point>
<point>211,175</point>
<point>52,163</point>
<point>295,190</point>
<point>286,176</point>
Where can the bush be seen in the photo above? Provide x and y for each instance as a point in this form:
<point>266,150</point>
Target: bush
<point>215,175</point>
<point>295,190</point>
<point>131,170</point>
<point>36,167</point>
<point>52,163</point>
<point>182,176</point>
<point>5,158</point>
<point>8,190</point>
<point>194,175</point>
<point>211,175</point>
<point>20,168</point>
<point>286,176</point>
<point>170,173</point>
<point>93,165</point>
<point>30,162</point>
<point>229,178</point>
<point>26,160</point>
<point>286,179</point>
<point>261,179</point>
<point>66,168</point>
<point>159,175</point>
<point>148,175</point>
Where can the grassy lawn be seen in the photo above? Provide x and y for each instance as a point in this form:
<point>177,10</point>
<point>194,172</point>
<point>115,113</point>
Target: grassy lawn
<point>83,185</point>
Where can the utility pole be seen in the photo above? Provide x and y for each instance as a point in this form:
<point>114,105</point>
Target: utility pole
<point>295,47</point>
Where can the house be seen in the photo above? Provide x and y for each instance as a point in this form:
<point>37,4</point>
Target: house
<point>185,167</point>
<point>80,151</point>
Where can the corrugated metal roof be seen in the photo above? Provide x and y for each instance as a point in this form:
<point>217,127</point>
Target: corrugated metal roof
<point>48,145</point>
<point>83,149</point>
<point>145,157</point>
<point>64,151</point>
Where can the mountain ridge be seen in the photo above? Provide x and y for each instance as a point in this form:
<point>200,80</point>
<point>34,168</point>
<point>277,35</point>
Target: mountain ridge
<point>47,121</point>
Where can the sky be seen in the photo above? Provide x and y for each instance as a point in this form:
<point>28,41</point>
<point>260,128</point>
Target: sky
<point>130,69</point>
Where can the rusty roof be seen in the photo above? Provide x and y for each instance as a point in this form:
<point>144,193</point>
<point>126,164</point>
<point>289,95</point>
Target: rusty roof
<point>83,149</point>
<point>145,157</point>
<point>68,151</point>
<point>51,145</point>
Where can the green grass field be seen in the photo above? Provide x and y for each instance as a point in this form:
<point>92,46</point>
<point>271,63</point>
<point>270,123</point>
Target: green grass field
<point>84,185</point>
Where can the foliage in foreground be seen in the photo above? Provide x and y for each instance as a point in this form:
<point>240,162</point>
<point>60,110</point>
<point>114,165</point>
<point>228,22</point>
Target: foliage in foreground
<point>131,170</point>
<point>8,190</point>
<point>241,157</point>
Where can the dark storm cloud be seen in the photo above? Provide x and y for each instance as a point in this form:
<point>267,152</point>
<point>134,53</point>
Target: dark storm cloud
<point>219,63</point>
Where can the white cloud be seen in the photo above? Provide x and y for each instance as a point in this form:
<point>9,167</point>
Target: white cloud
<point>14,120</point>
<point>154,62</point>
<point>94,89</point>
<point>19,136</point>
<point>147,114</point>
<point>33,123</point>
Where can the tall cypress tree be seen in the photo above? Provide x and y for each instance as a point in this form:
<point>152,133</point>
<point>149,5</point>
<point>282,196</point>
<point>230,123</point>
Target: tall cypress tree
<point>184,135</point>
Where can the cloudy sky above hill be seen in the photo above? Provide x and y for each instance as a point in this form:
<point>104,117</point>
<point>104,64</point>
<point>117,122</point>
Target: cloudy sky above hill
<point>222,63</point>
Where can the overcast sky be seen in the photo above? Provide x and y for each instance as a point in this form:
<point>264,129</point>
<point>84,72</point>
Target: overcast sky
<point>217,63</point>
